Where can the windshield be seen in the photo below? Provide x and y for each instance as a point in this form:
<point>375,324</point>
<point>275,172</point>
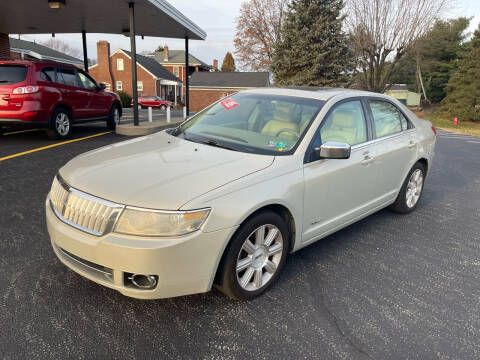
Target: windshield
<point>255,123</point>
<point>11,74</point>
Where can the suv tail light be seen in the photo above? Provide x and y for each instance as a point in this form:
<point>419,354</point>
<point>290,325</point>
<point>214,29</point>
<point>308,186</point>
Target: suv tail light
<point>25,90</point>
<point>434,130</point>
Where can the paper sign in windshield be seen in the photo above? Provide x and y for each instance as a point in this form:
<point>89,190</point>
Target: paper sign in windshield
<point>228,103</point>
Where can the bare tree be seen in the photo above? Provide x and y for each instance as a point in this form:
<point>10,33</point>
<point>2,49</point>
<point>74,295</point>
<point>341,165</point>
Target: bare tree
<point>383,30</point>
<point>63,46</point>
<point>258,27</point>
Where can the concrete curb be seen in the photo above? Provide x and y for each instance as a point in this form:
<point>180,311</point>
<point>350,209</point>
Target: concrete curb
<point>145,128</point>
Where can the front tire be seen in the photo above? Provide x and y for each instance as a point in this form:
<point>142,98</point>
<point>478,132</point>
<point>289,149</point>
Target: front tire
<point>113,117</point>
<point>60,124</point>
<point>411,191</point>
<point>255,257</point>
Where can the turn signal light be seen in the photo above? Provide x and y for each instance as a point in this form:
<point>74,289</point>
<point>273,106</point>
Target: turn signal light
<point>25,90</point>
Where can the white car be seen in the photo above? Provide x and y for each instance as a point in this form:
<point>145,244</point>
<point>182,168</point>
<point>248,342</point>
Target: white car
<point>222,199</point>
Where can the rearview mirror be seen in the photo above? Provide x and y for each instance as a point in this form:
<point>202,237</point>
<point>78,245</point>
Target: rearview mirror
<point>334,150</point>
<point>102,86</point>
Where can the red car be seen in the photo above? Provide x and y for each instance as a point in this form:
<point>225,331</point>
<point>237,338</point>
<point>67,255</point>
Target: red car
<point>53,95</point>
<point>146,101</point>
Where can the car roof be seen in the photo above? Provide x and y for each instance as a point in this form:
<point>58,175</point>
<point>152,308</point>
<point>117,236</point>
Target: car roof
<point>312,92</point>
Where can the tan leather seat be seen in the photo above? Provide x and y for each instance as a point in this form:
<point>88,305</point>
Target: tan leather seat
<point>342,129</point>
<point>282,119</point>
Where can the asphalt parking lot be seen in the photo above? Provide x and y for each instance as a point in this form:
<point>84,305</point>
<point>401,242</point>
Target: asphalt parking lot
<point>387,287</point>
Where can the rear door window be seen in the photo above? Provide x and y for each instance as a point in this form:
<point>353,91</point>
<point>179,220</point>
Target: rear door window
<point>48,74</point>
<point>12,74</point>
<point>67,77</point>
<point>386,117</point>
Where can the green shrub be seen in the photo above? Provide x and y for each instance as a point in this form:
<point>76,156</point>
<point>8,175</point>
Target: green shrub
<point>125,99</point>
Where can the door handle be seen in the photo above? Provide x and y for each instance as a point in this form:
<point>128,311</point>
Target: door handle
<point>367,160</point>
<point>411,144</point>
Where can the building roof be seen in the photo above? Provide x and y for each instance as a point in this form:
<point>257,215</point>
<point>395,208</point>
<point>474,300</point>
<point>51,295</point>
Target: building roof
<point>178,57</point>
<point>154,18</point>
<point>42,52</point>
<point>230,79</point>
<point>154,67</point>
<point>397,87</point>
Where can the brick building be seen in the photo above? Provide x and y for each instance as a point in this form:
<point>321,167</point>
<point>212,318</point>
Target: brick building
<point>208,87</point>
<point>115,70</point>
<point>174,61</point>
<point>4,47</point>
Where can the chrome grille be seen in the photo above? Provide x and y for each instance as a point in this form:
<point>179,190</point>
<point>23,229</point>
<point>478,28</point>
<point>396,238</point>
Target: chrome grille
<point>83,211</point>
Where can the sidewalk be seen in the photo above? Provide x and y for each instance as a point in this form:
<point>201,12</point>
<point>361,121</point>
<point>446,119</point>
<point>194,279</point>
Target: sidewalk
<point>159,122</point>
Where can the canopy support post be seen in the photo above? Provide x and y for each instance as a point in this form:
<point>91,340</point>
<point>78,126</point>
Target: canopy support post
<point>85,55</point>
<point>133,52</point>
<point>187,85</point>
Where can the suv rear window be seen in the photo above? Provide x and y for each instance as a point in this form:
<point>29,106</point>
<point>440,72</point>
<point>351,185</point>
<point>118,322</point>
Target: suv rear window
<point>11,74</point>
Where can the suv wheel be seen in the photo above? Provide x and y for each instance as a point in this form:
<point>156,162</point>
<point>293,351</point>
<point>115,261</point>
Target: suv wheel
<point>60,124</point>
<point>113,117</point>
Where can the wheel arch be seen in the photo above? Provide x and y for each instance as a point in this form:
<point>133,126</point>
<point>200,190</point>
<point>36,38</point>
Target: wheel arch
<point>424,162</point>
<point>117,103</point>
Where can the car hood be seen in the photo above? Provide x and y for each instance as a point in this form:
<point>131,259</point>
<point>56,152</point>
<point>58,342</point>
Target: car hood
<point>158,171</point>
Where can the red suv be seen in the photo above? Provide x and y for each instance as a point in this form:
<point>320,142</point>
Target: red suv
<point>146,101</point>
<point>53,95</point>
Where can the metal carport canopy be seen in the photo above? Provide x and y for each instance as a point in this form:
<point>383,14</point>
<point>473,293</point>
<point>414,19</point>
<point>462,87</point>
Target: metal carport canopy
<point>154,18</point>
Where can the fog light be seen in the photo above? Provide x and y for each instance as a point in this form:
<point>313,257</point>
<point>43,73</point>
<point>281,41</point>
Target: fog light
<point>141,281</point>
<point>56,4</point>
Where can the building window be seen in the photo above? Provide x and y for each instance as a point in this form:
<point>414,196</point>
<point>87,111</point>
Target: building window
<point>140,85</point>
<point>120,64</point>
<point>119,86</point>
<point>176,71</point>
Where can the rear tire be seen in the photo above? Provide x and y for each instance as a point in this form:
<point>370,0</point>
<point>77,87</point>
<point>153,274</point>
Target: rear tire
<point>411,191</point>
<point>113,117</point>
<point>60,124</point>
<point>163,107</point>
<point>254,257</point>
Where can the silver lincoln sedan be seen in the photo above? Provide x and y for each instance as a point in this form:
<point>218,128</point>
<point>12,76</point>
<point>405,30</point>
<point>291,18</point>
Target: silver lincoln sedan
<point>222,199</point>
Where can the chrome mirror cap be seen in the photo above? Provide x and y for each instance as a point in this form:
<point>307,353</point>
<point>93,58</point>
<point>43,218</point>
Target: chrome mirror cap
<point>334,150</point>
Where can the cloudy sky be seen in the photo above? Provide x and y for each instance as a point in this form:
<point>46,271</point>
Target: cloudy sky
<point>217,18</point>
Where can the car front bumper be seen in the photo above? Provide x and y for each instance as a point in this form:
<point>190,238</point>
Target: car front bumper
<point>184,265</point>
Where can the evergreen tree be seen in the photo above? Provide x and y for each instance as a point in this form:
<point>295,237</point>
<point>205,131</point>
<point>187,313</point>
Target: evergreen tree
<point>463,89</point>
<point>436,54</point>
<point>228,63</point>
<point>313,50</point>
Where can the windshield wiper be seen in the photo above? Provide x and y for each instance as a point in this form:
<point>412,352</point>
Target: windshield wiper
<point>217,144</point>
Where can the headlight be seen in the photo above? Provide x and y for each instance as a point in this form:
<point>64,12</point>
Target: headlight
<point>145,222</point>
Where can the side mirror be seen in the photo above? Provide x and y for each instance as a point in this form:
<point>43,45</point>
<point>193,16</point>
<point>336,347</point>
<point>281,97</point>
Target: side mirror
<point>102,86</point>
<point>334,150</point>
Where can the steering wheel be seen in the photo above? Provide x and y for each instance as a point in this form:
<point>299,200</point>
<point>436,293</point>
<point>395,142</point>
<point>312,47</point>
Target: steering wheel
<point>288,131</point>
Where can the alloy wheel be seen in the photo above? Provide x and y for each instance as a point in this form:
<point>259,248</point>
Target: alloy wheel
<point>259,257</point>
<point>414,188</point>
<point>116,116</point>
<point>62,124</point>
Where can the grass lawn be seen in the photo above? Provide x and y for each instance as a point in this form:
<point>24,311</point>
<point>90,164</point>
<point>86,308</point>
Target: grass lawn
<point>443,121</point>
